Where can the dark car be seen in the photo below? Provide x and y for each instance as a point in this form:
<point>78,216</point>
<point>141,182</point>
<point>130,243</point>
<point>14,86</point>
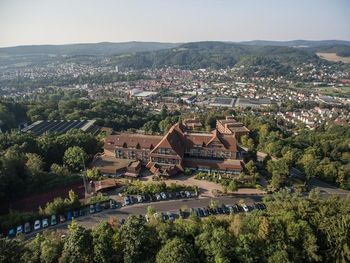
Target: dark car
<point>62,218</point>
<point>219,210</point>
<point>98,207</point>
<point>112,204</point>
<point>70,215</point>
<point>82,212</point>
<point>11,232</point>
<point>200,212</point>
<point>53,220</point>
<point>212,210</point>
<point>236,208</point>
<point>27,227</point>
<point>177,194</point>
<point>92,209</point>
<point>75,213</point>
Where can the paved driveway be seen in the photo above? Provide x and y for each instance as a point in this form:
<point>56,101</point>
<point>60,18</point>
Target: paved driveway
<point>205,187</point>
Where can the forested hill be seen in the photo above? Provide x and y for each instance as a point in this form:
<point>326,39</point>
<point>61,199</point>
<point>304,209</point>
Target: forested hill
<point>215,55</point>
<point>90,49</point>
<point>340,47</point>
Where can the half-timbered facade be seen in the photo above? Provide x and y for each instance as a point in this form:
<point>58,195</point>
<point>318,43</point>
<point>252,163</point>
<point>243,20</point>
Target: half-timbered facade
<point>180,148</point>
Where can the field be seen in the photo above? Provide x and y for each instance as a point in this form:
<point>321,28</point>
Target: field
<point>333,57</point>
<point>338,91</point>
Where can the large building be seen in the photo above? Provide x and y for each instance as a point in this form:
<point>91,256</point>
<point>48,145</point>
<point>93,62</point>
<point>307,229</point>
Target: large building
<point>231,126</point>
<point>180,148</point>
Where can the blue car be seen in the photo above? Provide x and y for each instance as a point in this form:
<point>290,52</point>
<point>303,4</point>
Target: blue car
<point>12,232</point>
<point>70,215</point>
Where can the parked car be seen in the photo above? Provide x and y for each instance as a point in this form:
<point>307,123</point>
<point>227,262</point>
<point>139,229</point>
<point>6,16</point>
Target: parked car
<point>82,212</point>
<point>37,224</point>
<point>27,228</point>
<point>62,218</point>
<point>53,220</point>
<point>158,197</point>
<point>98,207</point>
<point>45,222</point>
<point>75,214</point>
<point>92,209</point>
<point>225,209</point>
<point>255,206</point>
<point>112,204</point>
<point>170,216</point>
<point>236,208</point>
<point>11,232</point>
<point>245,208</point>
<point>163,195</point>
<point>19,229</point>
<point>177,194</point>
<point>188,194</point>
<point>219,210</point>
<point>182,194</point>
<point>230,209</point>
<point>139,199</point>
<point>206,211</point>
<point>200,212</point>
<point>126,200</point>
<point>262,206</point>
<point>70,215</point>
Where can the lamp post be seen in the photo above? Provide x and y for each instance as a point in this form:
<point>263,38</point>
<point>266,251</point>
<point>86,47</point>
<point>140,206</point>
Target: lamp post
<point>84,173</point>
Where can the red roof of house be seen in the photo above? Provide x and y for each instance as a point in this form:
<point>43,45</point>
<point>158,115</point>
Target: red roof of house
<point>132,141</point>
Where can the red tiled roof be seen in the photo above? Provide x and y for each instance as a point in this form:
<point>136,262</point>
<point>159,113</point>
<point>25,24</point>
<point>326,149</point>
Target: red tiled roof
<point>132,140</point>
<point>173,139</point>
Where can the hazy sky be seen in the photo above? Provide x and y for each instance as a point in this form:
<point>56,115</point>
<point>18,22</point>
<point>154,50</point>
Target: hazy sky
<point>74,21</point>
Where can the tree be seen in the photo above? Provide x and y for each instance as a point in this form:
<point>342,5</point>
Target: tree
<point>59,170</point>
<point>93,174</point>
<point>232,186</point>
<point>150,127</point>
<point>74,157</point>
<point>102,243</point>
<point>138,240</point>
<point>78,245</point>
<point>176,251</point>
<point>11,250</point>
<point>51,248</point>
<point>34,164</point>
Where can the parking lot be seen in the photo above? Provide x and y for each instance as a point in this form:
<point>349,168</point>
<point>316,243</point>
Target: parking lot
<point>89,219</point>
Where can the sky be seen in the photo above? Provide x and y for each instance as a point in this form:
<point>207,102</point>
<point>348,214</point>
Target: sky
<point>33,22</point>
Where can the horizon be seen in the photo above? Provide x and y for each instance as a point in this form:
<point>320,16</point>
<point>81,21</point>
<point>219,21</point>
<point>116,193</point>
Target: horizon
<point>36,22</point>
<point>162,42</point>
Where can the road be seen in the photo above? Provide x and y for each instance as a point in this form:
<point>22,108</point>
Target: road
<point>327,188</point>
<point>91,220</point>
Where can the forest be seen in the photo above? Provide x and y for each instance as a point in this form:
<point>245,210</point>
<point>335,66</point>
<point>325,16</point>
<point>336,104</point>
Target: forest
<point>292,229</point>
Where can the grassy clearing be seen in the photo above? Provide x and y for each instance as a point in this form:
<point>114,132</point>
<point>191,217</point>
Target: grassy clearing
<point>333,57</point>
